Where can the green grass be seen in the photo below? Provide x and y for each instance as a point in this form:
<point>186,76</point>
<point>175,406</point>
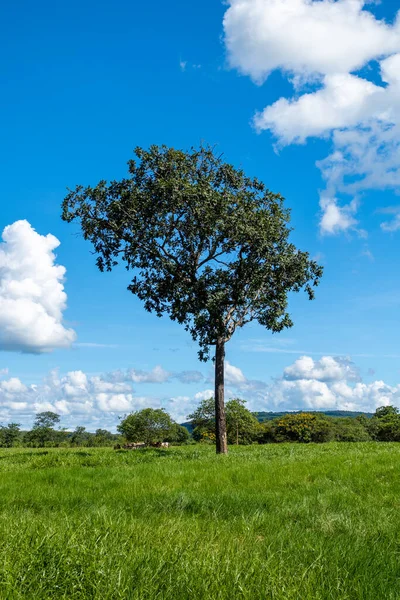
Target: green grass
<point>285,522</point>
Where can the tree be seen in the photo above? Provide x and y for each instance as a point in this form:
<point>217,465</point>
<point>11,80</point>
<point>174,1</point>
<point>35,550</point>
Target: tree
<point>350,430</point>
<point>43,428</point>
<point>208,246</point>
<point>148,425</point>
<point>384,426</point>
<point>9,434</point>
<point>103,437</point>
<point>241,423</point>
<point>80,436</point>
<point>178,434</point>
<point>203,418</point>
<point>304,427</point>
<point>46,420</point>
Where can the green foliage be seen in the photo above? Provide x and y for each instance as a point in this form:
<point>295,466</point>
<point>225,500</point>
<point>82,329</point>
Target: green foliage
<point>304,427</point>
<point>385,424</point>
<point>209,246</point>
<point>9,435</point>
<point>203,419</point>
<point>241,423</point>
<point>46,420</point>
<point>43,433</point>
<point>178,434</point>
<point>148,425</point>
<point>350,430</point>
<point>268,416</point>
<point>102,437</point>
<point>80,437</point>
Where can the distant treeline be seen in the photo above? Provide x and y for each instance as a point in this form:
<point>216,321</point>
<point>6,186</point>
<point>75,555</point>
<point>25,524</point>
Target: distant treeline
<point>243,427</point>
<point>268,416</point>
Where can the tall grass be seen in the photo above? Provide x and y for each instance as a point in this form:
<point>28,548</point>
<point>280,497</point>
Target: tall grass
<point>285,522</point>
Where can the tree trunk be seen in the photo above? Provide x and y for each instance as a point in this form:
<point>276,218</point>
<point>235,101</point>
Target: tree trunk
<point>220,420</point>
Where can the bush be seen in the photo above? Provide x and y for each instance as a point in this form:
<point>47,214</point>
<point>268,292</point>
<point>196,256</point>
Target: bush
<point>304,427</point>
<point>350,430</point>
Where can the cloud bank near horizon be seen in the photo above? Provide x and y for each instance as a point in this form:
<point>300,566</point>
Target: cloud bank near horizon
<point>359,117</point>
<point>98,400</point>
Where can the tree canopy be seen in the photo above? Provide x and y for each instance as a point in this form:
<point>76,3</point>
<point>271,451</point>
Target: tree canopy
<point>148,425</point>
<point>207,245</point>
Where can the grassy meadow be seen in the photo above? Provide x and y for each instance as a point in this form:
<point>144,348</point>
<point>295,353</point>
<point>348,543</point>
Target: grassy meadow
<point>281,522</point>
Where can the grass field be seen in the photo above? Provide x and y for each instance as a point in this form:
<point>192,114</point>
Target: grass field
<point>278,522</point>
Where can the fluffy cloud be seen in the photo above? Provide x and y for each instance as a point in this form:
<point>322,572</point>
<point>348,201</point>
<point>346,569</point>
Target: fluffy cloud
<point>98,400</point>
<point>233,375</point>
<point>327,368</point>
<point>329,383</point>
<point>32,296</point>
<point>305,37</point>
<point>93,400</point>
<point>342,101</point>
<point>323,43</point>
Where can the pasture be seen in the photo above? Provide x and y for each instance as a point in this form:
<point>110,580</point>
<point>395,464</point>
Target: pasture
<point>279,522</point>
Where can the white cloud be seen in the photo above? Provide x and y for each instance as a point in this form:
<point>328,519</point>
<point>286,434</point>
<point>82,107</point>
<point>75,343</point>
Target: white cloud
<point>336,219</point>
<point>304,36</point>
<point>98,401</point>
<point>322,43</point>
<point>32,296</point>
<point>204,395</point>
<point>330,383</point>
<point>327,368</point>
<point>342,101</point>
<point>233,375</point>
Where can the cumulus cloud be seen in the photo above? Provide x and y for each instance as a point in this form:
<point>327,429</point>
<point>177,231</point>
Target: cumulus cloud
<point>32,296</point>
<point>327,368</point>
<point>233,375</point>
<point>99,400</point>
<point>324,44</point>
<point>328,383</point>
<point>305,36</point>
<point>93,400</point>
<point>342,101</point>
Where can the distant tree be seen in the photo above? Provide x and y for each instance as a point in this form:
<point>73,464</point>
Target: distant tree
<point>386,411</point>
<point>80,437</point>
<point>304,427</point>
<point>384,426</point>
<point>46,420</point>
<point>266,432</point>
<point>9,435</point>
<point>208,245</point>
<point>350,430</point>
<point>178,434</point>
<point>102,437</point>
<point>148,425</point>
<point>43,429</point>
<point>241,423</point>
<point>203,418</point>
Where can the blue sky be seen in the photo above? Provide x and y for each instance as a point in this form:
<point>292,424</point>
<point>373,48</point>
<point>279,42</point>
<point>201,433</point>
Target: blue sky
<point>84,83</point>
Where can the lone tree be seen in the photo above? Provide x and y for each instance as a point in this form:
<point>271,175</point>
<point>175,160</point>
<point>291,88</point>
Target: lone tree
<point>208,245</point>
